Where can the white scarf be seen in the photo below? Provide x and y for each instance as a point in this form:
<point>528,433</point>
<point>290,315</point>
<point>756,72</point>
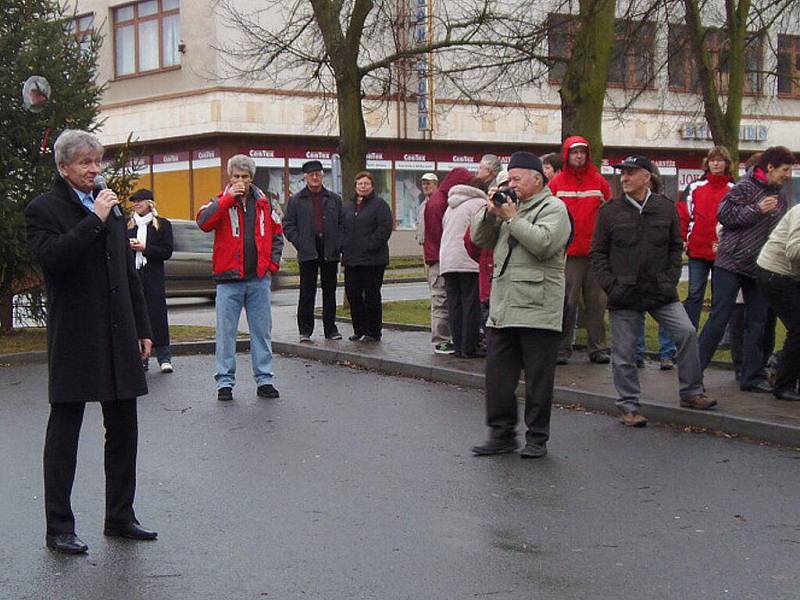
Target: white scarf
<point>141,235</point>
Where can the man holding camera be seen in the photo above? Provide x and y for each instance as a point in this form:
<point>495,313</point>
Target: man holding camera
<point>529,230</point>
<point>636,255</point>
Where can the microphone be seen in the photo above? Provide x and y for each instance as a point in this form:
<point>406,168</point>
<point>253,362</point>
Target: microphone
<point>100,183</point>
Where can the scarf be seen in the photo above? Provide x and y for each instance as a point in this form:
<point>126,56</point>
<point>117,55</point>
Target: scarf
<point>141,235</point>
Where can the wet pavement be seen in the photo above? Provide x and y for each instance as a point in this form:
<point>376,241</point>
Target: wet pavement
<point>356,485</point>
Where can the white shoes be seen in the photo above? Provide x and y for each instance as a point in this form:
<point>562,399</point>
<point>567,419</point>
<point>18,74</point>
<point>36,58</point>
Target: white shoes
<point>166,367</point>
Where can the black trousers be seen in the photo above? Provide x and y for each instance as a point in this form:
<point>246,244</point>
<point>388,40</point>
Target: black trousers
<point>308,293</point>
<point>362,284</point>
<point>464,310</point>
<point>783,295</point>
<point>509,350</point>
<point>60,458</point>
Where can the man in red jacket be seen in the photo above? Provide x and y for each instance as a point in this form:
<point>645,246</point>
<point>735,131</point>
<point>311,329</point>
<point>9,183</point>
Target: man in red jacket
<point>434,213</point>
<point>583,189</point>
<point>248,242</point>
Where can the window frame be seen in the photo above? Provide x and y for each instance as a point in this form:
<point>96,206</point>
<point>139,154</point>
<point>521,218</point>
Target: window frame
<point>716,50</point>
<point>158,16</point>
<point>794,65</point>
<point>565,25</point>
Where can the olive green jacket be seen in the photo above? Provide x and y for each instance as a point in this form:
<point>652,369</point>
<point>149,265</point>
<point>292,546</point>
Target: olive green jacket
<point>529,292</point>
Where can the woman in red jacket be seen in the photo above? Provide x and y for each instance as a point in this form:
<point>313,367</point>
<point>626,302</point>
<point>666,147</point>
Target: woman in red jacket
<point>698,213</point>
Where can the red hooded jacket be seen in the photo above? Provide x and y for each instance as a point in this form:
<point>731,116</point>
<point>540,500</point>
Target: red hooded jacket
<point>698,213</point>
<point>485,259</point>
<point>583,191</point>
<point>434,213</point>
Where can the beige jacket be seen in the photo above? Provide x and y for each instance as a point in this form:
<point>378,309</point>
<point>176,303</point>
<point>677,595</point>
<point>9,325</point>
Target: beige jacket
<point>781,253</point>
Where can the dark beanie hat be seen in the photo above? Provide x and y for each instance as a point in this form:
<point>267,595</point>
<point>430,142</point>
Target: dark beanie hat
<point>142,194</point>
<point>526,160</point>
<point>311,166</point>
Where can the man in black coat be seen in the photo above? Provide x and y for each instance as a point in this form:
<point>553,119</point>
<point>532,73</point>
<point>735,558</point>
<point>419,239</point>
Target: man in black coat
<point>636,255</point>
<point>313,224</point>
<point>98,334</point>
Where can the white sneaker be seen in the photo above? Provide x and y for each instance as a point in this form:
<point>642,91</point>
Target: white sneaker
<point>166,367</point>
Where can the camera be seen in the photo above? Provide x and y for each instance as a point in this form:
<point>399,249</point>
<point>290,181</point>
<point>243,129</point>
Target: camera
<point>503,195</point>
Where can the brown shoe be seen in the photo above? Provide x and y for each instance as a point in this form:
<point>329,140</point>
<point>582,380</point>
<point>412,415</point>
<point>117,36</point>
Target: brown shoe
<point>633,419</point>
<point>698,402</point>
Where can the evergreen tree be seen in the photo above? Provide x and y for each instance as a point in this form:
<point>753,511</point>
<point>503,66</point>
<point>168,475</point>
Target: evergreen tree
<point>36,38</point>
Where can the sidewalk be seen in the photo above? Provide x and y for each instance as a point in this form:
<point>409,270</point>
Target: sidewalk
<point>410,353</point>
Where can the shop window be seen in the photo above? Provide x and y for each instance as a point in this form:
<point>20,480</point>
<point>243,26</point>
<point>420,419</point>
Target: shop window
<point>789,65</point>
<point>270,180</point>
<point>409,196</point>
<point>146,37</point>
<point>631,63</point>
<point>682,68</point>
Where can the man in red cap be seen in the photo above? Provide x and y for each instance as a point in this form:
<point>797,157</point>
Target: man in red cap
<point>583,189</point>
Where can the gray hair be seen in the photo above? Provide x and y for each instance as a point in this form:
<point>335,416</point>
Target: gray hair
<point>243,163</point>
<point>492,162</point>
<point>538,176</point>
<point>73,141</point>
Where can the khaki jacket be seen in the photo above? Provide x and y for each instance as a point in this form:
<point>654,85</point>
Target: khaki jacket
<point>529,292</point>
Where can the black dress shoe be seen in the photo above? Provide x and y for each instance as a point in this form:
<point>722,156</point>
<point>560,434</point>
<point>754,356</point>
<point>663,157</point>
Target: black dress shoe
<point>789,395</point>
<point>225,394</point>
<point>533,451</point>
<point>760,387</point>
<point>66,543</point>
<point>131,531</point>
<point>495,446</point>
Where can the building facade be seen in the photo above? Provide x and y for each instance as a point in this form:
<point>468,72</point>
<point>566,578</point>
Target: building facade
<point>166,84</point>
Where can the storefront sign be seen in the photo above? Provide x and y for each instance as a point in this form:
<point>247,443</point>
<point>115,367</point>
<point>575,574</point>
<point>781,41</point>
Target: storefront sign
<point>415,161</point>
<point>451,161</point>
<point>701,131</point>
<point>266,157</point>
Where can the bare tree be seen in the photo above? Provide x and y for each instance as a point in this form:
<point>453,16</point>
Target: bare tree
<point>724,83</point>
<point>353,50</point>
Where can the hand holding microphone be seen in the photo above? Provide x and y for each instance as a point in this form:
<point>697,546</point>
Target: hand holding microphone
<point>106,201</point>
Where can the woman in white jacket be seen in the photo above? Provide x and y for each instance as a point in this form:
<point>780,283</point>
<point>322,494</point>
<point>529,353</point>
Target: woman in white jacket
<point>459,270</point>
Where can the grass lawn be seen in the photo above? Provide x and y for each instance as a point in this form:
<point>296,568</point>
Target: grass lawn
<point>417,312</point>
<point>34,339</point>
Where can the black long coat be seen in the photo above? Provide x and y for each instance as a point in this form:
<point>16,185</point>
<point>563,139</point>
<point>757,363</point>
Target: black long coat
<point>157,249</point>
<point>366,232</point>
<point>298,225</point>
<point>95,306</point>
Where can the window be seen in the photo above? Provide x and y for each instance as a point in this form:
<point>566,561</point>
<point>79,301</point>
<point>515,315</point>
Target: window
<point>632,60</point>
<point>789,65</point>
<point>561,33</point>
<point>82,27</point>
<point>683,72</point>
<point>146,37</point>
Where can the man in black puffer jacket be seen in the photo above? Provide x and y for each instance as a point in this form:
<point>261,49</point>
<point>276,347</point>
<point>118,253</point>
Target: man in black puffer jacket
<point>636,255</point>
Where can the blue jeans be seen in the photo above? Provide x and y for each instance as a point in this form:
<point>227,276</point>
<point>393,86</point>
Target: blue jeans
<point>698,278</point>
<point>255,297</point>
<point>667,348</point>
<point>726,286</point>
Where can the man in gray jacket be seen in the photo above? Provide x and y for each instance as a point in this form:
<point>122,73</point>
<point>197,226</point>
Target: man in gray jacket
<point>529,231</point>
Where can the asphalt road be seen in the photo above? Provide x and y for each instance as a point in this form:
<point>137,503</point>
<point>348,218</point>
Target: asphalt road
<point>360,486</point>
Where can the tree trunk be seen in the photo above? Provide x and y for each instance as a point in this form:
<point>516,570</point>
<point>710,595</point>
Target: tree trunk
<point>583,89</point>
<point>6,308</point>
<point>352,129</point>
<point>723,124</point>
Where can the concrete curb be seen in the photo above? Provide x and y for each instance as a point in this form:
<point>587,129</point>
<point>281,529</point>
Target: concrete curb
<point>779,433</point>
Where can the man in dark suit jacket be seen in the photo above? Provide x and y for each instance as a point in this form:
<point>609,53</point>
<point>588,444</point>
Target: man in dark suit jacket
<point>313,224</point>
<point>98,334</point>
